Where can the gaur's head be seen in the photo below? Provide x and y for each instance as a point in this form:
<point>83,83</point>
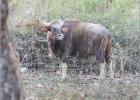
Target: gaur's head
<point>58,29</point>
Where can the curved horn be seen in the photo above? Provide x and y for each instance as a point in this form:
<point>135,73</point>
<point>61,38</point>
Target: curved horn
<point>62,18</point>
<point>44,26</point>
<point>45,23</point>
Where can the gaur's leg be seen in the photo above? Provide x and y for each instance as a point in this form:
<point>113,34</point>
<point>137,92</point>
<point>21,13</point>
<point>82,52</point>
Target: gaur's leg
<point>109,63</point>
<point>64,68</point>
<point>64,65</point>
<point>50,45</point>
<point>101,58</point>
<point>102,71</point>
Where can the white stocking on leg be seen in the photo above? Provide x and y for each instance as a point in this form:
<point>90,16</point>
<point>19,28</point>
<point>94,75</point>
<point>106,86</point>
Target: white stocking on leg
<point>111,72</point>
<point>102,71</point>
<point>64,71</point>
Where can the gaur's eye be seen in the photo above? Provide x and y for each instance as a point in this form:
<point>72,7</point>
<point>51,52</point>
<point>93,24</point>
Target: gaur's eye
<point>54,29</point>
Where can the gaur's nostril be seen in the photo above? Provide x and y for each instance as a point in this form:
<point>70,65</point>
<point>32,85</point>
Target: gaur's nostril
<point>60,35</point>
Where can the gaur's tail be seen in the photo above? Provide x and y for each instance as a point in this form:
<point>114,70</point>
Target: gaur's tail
<point>104,50</point>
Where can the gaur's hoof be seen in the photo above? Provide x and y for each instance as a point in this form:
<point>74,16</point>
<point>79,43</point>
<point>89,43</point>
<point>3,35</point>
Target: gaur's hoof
<point>101,78</point>
<point>63,79</point>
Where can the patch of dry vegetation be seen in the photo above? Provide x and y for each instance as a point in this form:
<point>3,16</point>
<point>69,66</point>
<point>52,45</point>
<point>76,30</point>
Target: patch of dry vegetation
<point>122,20</point>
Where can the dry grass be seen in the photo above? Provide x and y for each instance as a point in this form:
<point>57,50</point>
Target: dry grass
<point>121,19</point>
<point>40,85</point>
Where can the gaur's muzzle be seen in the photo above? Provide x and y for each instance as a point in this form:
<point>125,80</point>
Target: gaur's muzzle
<point>60,36</point>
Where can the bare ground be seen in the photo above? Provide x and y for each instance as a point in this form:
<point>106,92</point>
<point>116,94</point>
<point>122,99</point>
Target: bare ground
<point>41,85</point>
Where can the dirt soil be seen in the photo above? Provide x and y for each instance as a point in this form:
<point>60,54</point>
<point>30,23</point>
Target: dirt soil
<point>41,85</point>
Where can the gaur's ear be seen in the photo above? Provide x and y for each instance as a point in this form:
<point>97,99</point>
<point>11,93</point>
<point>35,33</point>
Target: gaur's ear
<point>46,25</point>
<point>48,28</point>
<point>66,28</point>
